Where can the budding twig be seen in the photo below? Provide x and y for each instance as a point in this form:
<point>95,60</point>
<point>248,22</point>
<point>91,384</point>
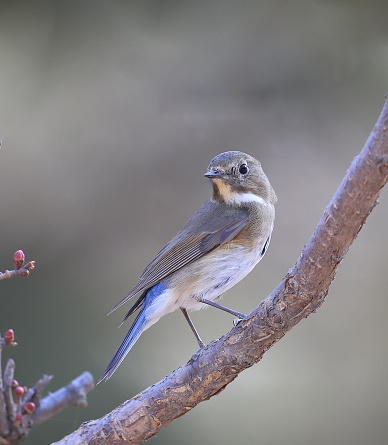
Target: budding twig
<point>22,408</point>
<point>20,270</point>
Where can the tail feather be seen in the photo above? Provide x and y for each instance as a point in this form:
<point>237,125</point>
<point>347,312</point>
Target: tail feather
<point>135,307</point>
<point>130,339</point>
<point>142,321</point>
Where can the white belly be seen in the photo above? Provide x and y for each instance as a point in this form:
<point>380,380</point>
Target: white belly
<point>218,276</point>
<point>208,278</point>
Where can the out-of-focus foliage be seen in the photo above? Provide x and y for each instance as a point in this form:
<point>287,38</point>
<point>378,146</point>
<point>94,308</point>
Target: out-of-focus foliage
<point>109,115</point>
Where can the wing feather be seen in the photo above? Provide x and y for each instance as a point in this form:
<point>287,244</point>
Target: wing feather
<point>188,246</point>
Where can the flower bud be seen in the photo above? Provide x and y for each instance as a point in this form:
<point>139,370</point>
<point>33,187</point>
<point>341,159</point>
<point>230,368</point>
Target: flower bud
<point>9,336</point>
<point>18,259</point>
<point>19,391</point>
<point>29,407</point>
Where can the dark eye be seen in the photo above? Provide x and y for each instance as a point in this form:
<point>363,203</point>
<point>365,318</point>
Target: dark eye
<point>243,169</point>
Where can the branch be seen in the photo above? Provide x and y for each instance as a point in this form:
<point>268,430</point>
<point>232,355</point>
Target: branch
<point>17,419</point>
<point>72,394</point>
<point>301,292</point>
<point>20,270</point>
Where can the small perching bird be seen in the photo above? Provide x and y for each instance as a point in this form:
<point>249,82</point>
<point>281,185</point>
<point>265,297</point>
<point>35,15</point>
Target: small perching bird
<point>220,244</point>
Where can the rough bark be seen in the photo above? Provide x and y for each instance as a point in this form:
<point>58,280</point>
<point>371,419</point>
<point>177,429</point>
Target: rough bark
<point>301,292</point>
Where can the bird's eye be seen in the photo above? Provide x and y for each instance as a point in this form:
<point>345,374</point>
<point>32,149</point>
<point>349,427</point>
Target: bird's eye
<point>243,169</point>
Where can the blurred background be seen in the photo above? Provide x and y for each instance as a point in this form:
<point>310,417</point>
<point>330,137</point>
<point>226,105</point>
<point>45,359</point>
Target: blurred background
<point>110,112</point>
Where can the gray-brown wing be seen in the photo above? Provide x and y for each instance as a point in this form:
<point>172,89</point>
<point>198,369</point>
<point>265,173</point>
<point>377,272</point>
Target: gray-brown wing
<point>186,247</point>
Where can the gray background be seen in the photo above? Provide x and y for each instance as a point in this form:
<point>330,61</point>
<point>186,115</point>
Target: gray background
<point>110,112</point>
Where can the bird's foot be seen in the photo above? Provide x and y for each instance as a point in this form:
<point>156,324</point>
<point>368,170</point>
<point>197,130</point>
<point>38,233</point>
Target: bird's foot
<point>201,344</point>
<point>236,321</point>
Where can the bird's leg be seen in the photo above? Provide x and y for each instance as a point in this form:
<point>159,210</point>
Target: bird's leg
<point>191,324</point>
<point>218,306</point>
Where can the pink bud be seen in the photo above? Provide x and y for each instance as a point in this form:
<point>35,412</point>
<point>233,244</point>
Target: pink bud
<point>18,259</point>
<point>30,265</point>
<point>19,391</point>
<point>9,336</point>
<point>29,407</point>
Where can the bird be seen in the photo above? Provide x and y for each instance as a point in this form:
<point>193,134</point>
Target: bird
<point>220,244</point>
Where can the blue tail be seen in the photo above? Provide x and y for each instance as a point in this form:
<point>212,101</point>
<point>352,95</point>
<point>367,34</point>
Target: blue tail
<point>138,326</point>
<point>130,339</point>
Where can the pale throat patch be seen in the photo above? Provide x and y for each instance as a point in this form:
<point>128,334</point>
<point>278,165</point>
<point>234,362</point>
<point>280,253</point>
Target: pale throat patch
<point>231,197</point>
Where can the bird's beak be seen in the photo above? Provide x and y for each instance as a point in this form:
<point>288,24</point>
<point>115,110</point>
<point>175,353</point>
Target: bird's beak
<point>213,174</point>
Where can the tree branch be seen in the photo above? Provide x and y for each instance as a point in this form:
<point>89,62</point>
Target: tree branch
<point>301,292</point>
<point>17,418</point>
<point>72,394</point>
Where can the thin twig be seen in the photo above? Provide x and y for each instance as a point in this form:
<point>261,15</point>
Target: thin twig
<point>22,272</point>
<point>8,379</point>
<point>3,411</point>
<point>34,394</point>
<point>17,429</point>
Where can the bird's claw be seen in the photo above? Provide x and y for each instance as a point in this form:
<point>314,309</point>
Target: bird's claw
<point>236,321</point>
